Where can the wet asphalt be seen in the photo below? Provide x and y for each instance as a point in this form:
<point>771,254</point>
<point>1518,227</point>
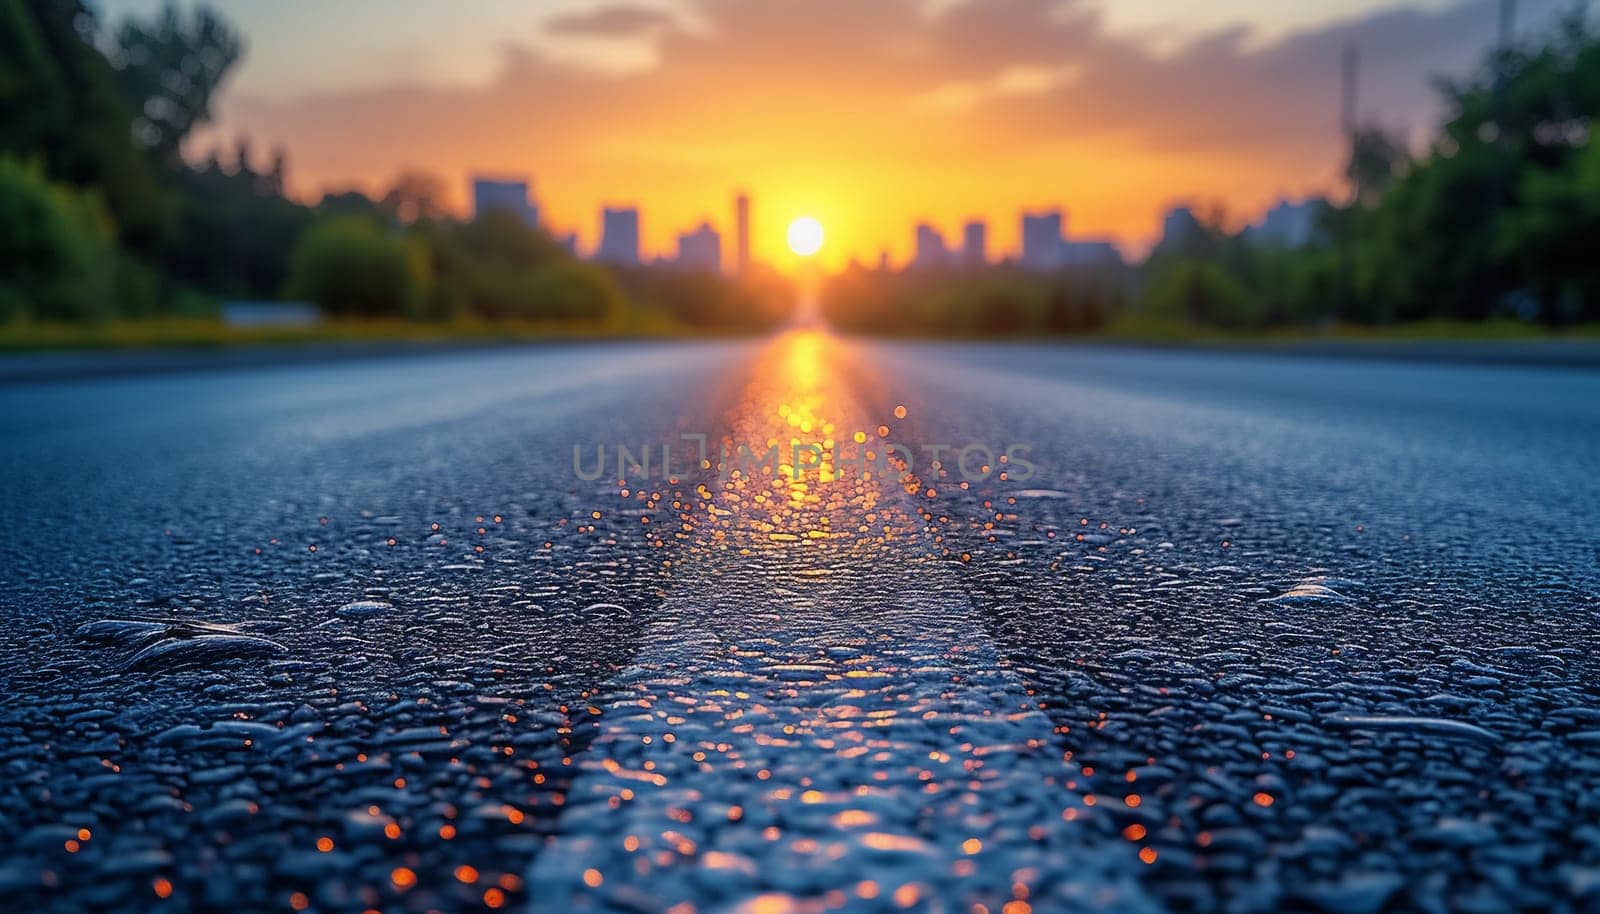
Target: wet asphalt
<point>1159,631</point>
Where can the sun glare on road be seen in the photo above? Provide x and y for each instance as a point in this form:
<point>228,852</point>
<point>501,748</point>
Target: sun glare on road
<point>805,236</point>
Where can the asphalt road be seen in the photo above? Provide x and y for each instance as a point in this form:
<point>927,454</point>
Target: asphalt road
<point>1221,632</point>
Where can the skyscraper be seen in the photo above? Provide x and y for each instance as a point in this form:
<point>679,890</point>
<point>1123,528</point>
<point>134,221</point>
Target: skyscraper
<point>974,243</point>
<point>741,220</point>
<point>1288,224</point>
<point>1041,240</point>
<point>619,236</point>
<point>930,248</point>
<point>510,196</point>
<point>1088,252</point>
<point>700,249</point>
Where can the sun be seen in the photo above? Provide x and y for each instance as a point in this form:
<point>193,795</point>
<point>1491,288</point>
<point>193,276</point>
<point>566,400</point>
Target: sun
<point>805,236</point>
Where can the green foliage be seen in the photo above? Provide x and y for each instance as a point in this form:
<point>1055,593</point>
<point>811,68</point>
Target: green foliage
<point>171,69</point>
<point>1497,214</point>
<point>414,196</point>
<point>705,299</point>
<point>1552,237</point>
<point>573,291</point>
<point>1376,159</point>
<point>503,239</point>
<point>487,266</point>
<point>57,257</point>
<point>997,304</point>
<point>173,237</point>
<point>999,300</point>
<point>1498,219</point>
<point>349,203</point>
<point>1202,292</point>
<point>1427,249</point>
<point>500,268</point>
<point>62,106</point>
<point>234,232</point>
<point>353,267</point>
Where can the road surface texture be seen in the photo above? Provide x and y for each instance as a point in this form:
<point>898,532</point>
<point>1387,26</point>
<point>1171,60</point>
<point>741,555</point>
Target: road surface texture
<point>1221,632</point>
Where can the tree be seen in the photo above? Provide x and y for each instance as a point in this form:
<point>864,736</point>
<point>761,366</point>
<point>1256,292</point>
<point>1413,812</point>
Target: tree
<point>234,232</point>
<point>1459,234</point>
<point>1376,160</point>
<point>350,266</point>
<point>573,291</point>
<point>349,203</point>
<point>61,105</point>
<point>415,196</point>
<point>172,68</point>
<point>1552,237</point>
<point>56,249</point>
<point>1203,292</point>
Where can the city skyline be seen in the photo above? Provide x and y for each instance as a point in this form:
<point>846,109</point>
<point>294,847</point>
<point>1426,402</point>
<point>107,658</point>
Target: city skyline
<point>1046,242</point>
<point>880,115</point>
<point>700,244</point>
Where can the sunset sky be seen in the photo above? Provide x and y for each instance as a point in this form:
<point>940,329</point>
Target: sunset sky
<point>867,114</point>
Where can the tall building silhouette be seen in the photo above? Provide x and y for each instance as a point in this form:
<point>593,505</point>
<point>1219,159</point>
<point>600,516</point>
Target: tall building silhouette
<point>1288,224</point>
<point>974,243</point>
<point>930,248</point>
<point>509,196</point>
<point>700,249</point>
<point>1041,240</point>
<point>619,236</point>
<point>1089,252</point>
<point>741,220</point>
<point>1045,245</point>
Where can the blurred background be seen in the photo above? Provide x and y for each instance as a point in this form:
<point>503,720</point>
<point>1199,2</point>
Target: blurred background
<point>179,174</point>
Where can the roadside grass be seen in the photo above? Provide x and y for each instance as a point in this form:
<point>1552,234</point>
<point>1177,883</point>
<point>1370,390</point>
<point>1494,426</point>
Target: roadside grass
<point>1137,329</point>
<point>211,333</point>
